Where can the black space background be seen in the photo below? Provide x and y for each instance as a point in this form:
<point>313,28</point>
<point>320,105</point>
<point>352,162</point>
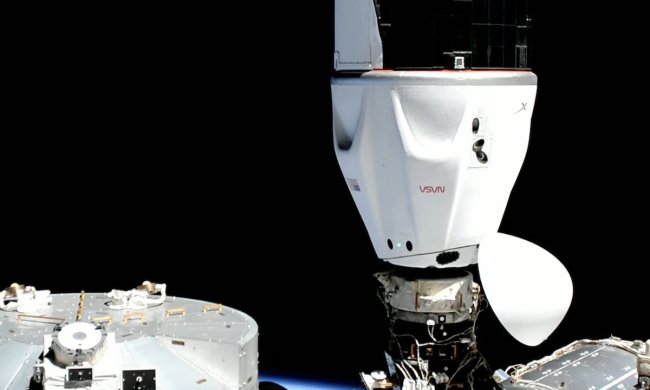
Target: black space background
<point>200,139</point>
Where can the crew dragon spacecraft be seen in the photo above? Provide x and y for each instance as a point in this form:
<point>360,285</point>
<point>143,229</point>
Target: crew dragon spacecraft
<point>432,103</point>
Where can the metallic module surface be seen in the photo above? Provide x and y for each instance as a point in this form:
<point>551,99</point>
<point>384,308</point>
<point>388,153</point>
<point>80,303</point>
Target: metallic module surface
<point>78,340</point>
<point>586,364</point>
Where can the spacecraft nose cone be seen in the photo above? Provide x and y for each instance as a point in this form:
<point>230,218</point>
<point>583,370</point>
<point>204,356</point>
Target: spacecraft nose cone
<point>528,288</point>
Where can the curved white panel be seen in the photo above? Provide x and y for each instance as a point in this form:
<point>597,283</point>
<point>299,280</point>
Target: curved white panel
<point>529,289</point>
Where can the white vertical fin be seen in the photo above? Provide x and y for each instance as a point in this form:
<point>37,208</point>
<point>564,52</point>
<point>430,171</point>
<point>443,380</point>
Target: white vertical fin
<point>357,40</point>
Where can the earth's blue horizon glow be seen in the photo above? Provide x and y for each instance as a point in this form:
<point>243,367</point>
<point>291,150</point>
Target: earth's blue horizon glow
<point>305,384</point>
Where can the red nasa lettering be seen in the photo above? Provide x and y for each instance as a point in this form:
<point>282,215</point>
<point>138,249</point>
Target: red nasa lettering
<point>432,189</point>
